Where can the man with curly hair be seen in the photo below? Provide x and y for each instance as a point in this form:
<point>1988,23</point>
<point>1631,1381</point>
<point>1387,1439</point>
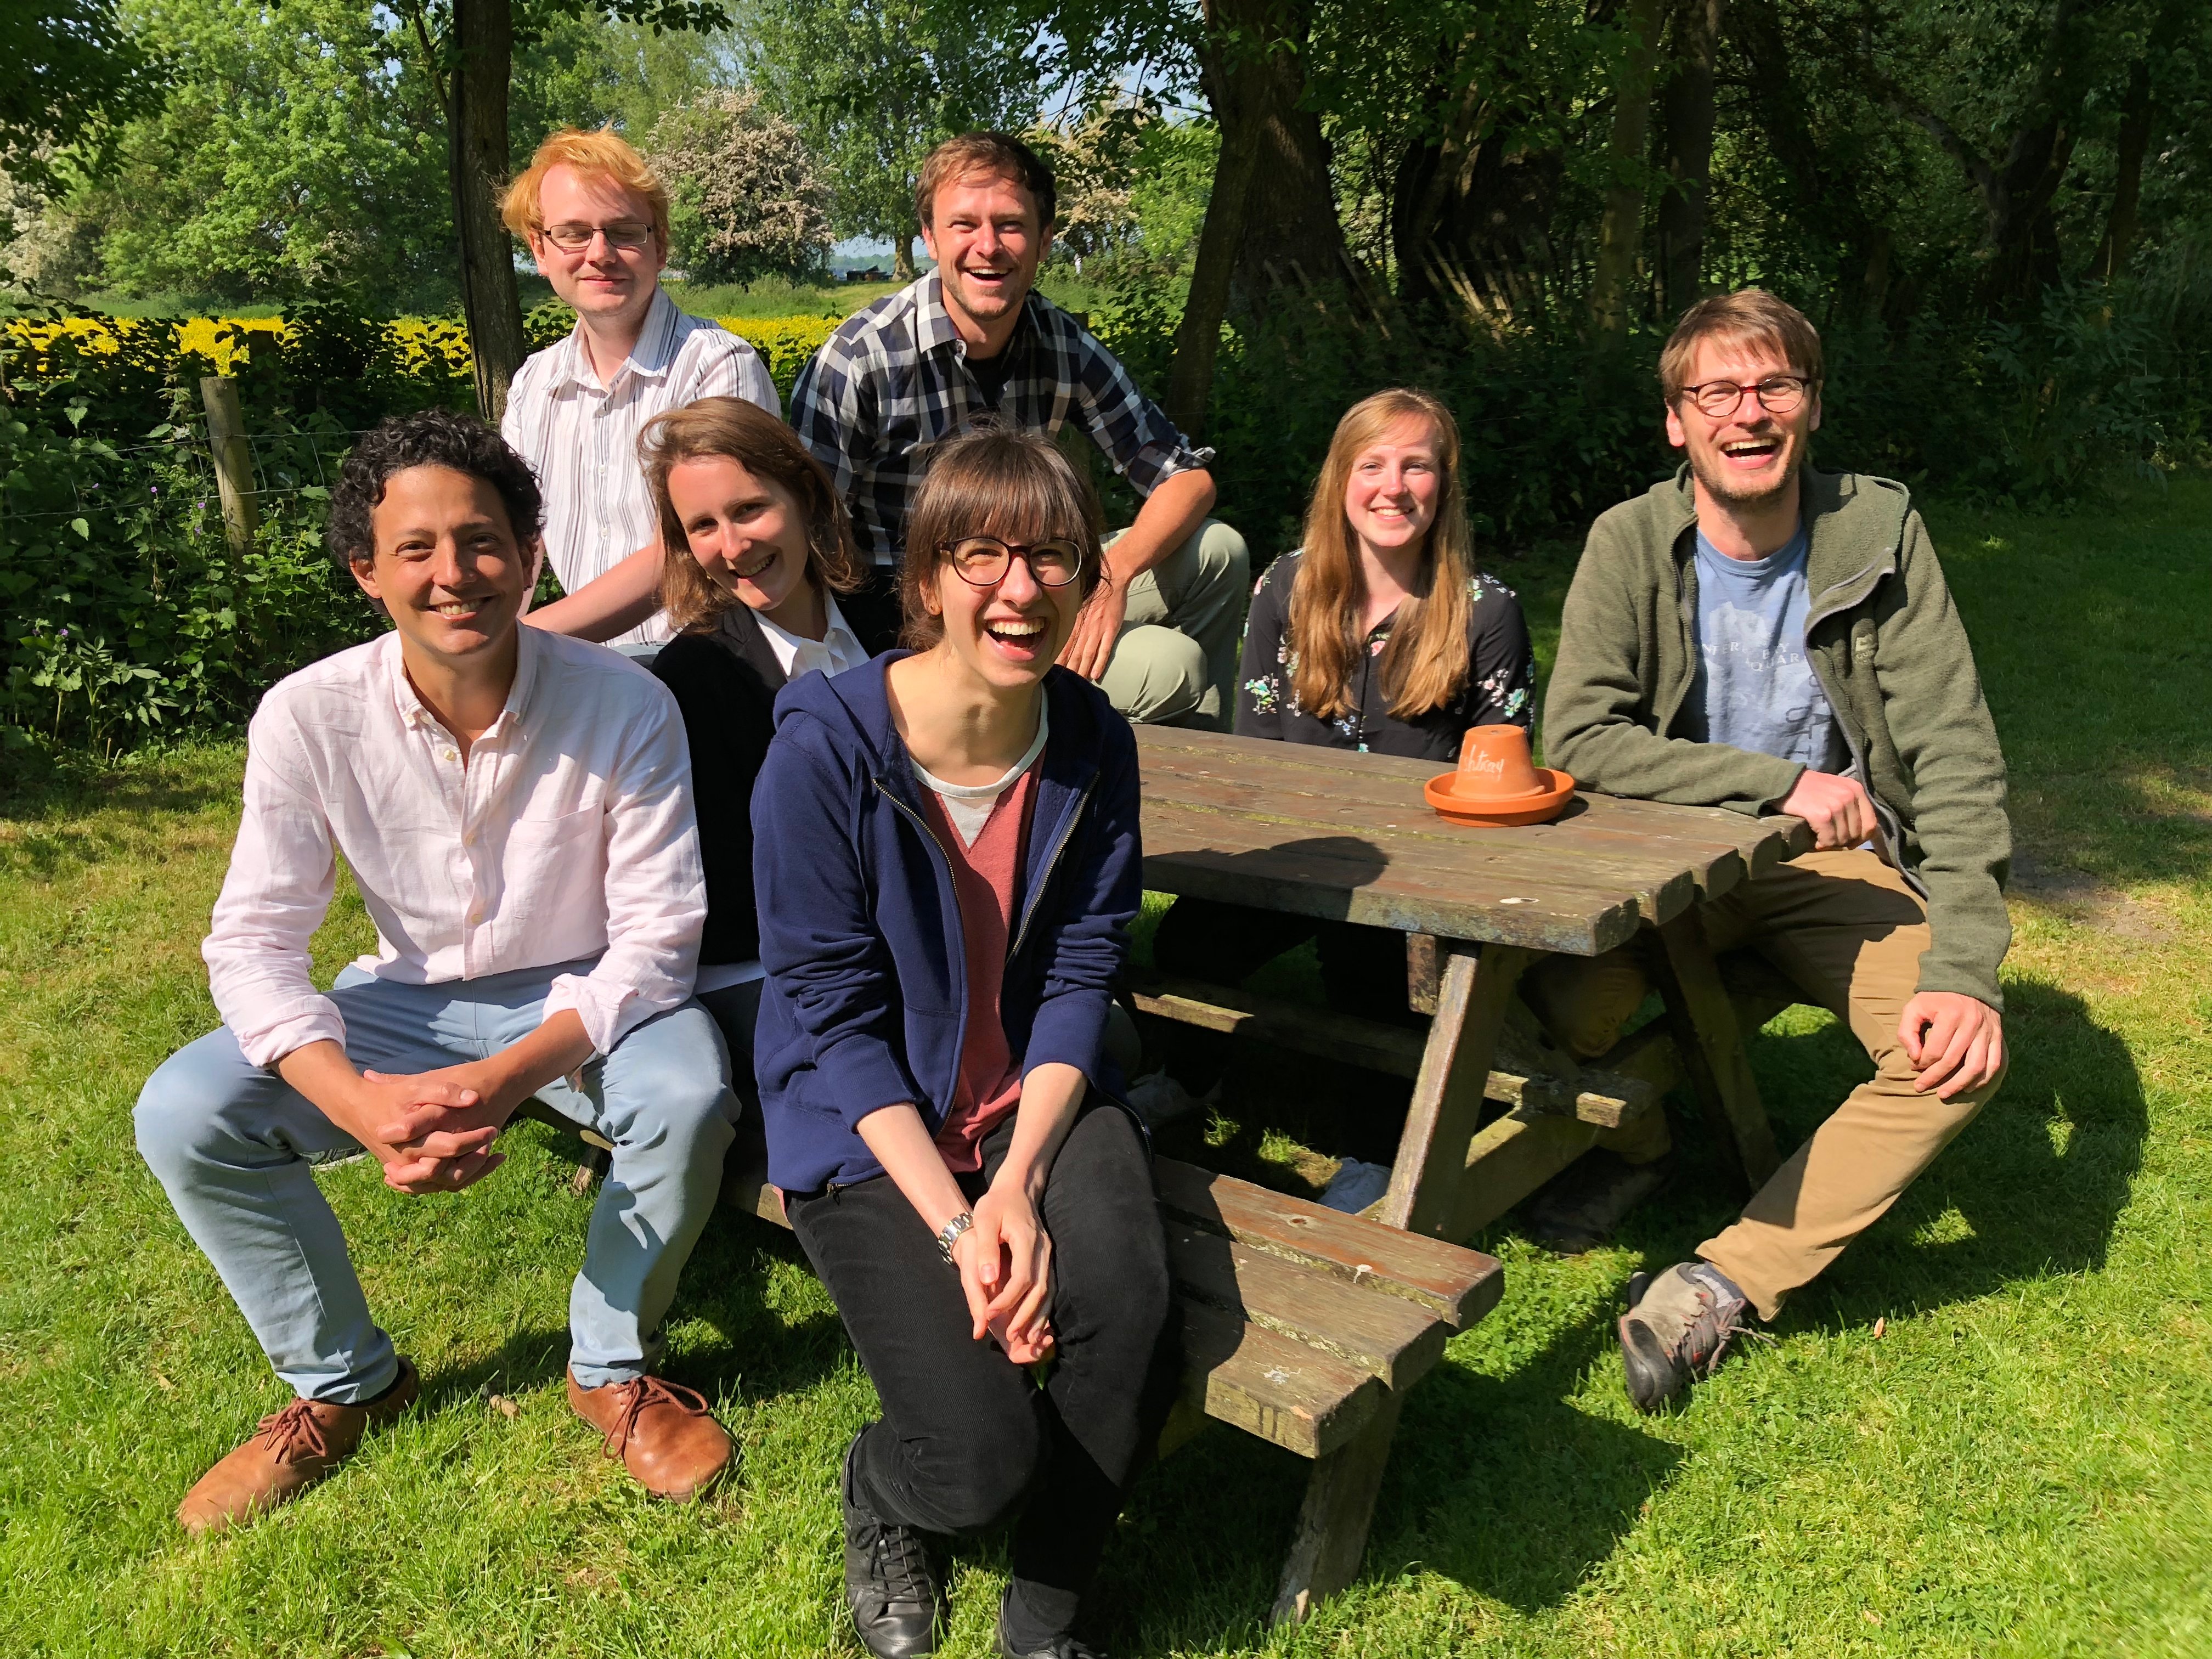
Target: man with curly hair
<point>516,809</point>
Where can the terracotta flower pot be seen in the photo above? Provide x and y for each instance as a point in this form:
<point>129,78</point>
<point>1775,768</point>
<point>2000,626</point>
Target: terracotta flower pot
<point>1496,785</point>
<point>1493,764</point>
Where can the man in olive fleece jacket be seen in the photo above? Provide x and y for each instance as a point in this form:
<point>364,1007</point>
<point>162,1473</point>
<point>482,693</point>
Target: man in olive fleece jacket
<point>1761,637</point>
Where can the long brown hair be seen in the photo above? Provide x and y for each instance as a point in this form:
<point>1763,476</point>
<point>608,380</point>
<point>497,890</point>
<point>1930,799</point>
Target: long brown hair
<point>1425,665</point>
<point>993,481</point>
<point>766,448</point>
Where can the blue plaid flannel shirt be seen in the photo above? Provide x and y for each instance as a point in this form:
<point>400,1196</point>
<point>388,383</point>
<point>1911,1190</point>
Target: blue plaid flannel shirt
<point>894,379</point>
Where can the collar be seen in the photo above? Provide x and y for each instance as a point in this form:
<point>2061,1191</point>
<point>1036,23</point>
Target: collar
<point>934,328</point>
<point>415,715</point>
<point>650,357</point>
<point>835,625</point>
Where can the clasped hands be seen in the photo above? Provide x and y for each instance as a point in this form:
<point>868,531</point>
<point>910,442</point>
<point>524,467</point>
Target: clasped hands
<point>433,1131</point>
<point>1006,1272</point>
<point>1956,1041</point>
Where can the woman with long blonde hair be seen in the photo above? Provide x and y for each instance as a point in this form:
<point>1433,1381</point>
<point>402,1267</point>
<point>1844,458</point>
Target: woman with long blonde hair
<point>1379,633</point>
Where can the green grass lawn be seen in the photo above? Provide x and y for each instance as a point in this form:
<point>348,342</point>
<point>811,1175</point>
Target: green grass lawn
<point>1987,1430</point>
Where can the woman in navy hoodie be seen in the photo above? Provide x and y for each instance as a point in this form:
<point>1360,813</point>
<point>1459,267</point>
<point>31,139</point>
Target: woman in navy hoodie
<point>946,864</point>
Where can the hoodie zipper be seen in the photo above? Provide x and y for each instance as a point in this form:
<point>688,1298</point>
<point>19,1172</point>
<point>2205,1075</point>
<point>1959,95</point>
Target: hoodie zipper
<point>1044,877</point>
<point>959,938</point>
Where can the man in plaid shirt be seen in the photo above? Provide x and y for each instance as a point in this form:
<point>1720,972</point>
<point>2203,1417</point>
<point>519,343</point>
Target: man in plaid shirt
<point>971,342</point>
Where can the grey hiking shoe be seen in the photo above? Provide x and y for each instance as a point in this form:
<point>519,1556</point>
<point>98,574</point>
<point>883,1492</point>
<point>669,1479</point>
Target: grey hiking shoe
<point>1677,1327</point>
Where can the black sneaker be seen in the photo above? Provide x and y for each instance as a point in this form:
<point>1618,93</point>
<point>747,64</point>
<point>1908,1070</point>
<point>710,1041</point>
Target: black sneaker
<point>1061,1647</point>
<point>1679,1326</point>
<point>890,1581</point>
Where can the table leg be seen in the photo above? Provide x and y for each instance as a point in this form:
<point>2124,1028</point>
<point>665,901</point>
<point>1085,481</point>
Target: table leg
<point>1709,1042</point>
<point>1472,996</point>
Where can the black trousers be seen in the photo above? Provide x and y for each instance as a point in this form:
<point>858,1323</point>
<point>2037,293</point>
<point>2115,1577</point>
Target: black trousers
<point>968,1439</point>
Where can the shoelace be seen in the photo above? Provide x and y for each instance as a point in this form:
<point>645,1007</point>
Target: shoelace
<point>901,1563</point>
<point>640,1393</point>
<point>1720,1326</point>
<point>295,1434</point>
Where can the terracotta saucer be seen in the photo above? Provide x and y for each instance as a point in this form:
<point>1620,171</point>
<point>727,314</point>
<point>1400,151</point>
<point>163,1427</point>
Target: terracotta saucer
<point>1543,805</point>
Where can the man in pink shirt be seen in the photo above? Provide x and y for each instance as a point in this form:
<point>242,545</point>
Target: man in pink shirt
<point>516,809</point>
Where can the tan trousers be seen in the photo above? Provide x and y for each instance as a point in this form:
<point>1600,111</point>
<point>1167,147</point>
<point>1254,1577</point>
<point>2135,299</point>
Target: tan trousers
<point>1174,663</point>
<point>1848,932</point>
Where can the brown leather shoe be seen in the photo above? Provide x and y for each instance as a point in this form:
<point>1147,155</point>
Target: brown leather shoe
<point>663,1433</point>
<point>290,1452</point>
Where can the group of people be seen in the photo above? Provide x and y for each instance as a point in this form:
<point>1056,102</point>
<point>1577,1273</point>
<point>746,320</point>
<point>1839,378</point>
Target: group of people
<point>846,827</point>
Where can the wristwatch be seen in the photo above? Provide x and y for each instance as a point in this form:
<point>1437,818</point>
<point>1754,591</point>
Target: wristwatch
<point>949,1234</point>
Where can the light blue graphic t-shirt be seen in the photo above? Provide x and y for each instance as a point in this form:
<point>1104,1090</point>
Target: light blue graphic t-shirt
<point>1754,687</point>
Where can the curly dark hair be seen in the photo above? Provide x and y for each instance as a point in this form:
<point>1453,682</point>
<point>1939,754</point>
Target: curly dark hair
<point>430,437</point>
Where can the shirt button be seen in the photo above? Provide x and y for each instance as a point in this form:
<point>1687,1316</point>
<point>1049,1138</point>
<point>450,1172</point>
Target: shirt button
<point>474,917</point>
<point>448,754</point>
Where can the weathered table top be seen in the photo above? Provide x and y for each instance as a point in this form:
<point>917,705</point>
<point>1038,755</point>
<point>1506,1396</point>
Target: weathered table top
<point>1325,832</point>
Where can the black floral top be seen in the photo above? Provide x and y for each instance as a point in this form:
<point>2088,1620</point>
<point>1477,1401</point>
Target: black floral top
<point>1501,679</point>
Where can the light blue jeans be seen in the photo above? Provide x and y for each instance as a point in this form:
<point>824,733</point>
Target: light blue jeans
<point>235,1146</point>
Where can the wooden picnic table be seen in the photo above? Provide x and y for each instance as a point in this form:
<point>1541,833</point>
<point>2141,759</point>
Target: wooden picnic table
<point>1333,834</point>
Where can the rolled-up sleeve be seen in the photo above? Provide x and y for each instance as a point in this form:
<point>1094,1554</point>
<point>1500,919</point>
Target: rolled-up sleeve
<point>283,869</point>
<point>656,893</point>
<point>1132,431</point>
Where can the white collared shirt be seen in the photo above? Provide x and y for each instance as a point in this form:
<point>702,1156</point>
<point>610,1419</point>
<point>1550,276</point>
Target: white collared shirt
<point>838,649</point>
<point>568,834</point>
<point>581,438</point>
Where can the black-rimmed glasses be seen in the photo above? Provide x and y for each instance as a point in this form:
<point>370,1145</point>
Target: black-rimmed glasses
<point>983,561</point>
<point>625,234</point>
<point>1777,394</point>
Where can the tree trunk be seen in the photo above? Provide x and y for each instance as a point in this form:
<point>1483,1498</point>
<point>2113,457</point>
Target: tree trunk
<point>1291,233</point>
<point>475,143</point>
<point>1621,230</point>
<point>2139,124</point>
<point>2020,241</point>
<point>1272,216</point>
<point>1686,131</point>
<point>903,268</point>
<point>1198,336</point>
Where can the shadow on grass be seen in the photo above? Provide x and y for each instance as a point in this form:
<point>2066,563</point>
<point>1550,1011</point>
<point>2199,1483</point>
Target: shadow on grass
<point>1496,1482</point>
<point>2032,1187</point>
<point>756,1354</point>
<point>53,811</point>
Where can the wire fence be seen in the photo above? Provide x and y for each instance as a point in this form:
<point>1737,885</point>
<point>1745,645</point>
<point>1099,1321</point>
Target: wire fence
<point>285,465</point>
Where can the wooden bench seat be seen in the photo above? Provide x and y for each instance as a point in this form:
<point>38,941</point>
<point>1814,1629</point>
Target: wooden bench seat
<point>1299,1324</point>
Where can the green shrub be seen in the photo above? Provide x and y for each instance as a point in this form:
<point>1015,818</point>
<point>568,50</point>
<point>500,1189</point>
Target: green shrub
<point>126,611</point>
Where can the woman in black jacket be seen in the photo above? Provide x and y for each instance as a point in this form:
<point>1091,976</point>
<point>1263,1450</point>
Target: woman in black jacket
<point>761,579</point>
<point>1379,633</point>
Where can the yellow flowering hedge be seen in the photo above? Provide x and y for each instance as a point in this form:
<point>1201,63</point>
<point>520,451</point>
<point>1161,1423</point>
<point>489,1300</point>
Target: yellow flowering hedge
<point>436,345</point>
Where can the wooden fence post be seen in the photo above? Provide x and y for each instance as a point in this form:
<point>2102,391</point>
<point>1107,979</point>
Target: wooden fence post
<point>234,459</point>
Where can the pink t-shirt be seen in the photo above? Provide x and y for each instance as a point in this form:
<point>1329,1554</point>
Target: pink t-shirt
<point>985,872</point>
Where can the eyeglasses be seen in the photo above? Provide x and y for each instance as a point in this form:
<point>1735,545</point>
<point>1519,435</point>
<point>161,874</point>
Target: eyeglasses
<point>983,561</point>
<point>627,235</point>
<point>1777,394</point>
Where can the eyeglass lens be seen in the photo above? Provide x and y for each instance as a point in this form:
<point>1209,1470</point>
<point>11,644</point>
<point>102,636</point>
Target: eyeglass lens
<point>575,238</point>
<point>983,559</point>
<point>1779,394</point>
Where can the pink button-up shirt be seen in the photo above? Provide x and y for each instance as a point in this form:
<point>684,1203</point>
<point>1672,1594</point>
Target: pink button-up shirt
<point>568,834</point>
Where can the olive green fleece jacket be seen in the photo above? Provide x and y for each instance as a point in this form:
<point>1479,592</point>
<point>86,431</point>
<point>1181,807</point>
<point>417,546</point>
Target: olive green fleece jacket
<point>1881,633</point>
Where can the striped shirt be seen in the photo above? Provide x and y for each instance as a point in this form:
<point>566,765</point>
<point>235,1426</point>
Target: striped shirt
<point>580,437</point>
<point>894,379</point>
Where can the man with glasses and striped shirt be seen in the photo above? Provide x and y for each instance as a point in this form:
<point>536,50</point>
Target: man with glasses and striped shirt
<point>596,220</point>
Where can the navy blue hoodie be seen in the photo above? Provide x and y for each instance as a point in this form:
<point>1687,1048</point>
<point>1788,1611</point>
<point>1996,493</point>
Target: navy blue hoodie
<point>867,998</point>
